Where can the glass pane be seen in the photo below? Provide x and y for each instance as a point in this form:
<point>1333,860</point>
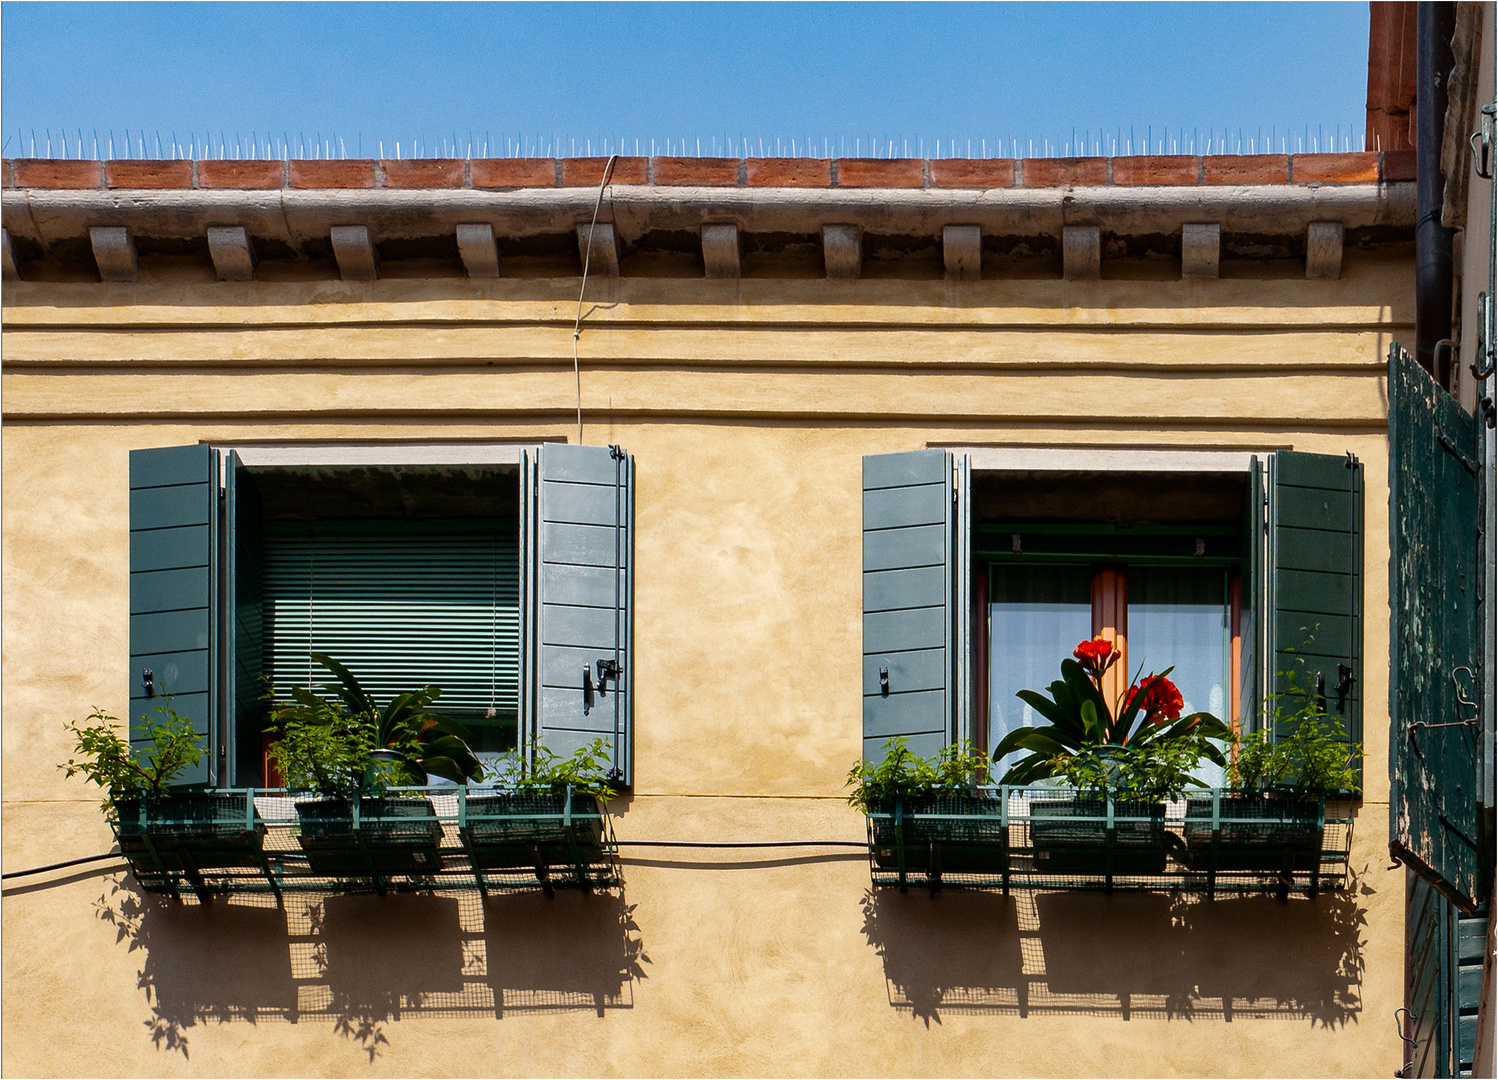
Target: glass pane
<point>1036,616</point>
<point>1178,617</point>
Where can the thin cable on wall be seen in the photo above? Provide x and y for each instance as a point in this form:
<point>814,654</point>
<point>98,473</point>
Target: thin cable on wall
<point>577,327</point>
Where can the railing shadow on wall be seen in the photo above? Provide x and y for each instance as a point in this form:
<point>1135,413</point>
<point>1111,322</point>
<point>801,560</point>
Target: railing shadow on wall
<point>364,962</point>
<point>1130,955</point>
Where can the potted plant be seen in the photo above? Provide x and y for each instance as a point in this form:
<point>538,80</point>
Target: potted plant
<point>164,830</point>
<point>1122,759</point>
<point>550,815</point>
<point>338,742</point>
<point>927,814</point>
<point>1274,816</point>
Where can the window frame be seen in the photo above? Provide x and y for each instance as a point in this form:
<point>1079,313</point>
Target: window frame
<point>1289,494</point>
<point>210,467</point>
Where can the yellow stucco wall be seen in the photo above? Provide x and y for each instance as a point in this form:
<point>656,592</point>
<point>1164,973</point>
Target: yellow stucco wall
<point>748,407</point>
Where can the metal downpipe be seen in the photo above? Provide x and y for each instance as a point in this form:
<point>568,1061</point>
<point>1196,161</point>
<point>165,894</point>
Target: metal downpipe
<point>1434,24</point>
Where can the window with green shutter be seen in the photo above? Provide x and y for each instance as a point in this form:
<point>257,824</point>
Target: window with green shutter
<point>413,566</point>
<point>1236,574</point>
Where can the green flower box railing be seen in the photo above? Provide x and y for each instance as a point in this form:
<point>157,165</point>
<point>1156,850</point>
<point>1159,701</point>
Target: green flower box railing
<point>220,842</point>
<point>1053,837</point>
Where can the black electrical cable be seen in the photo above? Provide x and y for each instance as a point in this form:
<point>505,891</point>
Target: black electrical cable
<point>62,865</point>
<point>622,843</point>
<point>742,843</point>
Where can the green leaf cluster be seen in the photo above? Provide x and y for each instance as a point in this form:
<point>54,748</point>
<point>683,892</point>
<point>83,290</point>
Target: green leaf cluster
<point>589,771</point>
<point>104,757</point>
<point>1313,758</point>
<point>1080,720</point>
<point>956,769</point>
<point>1147,771</point>
<point>337,739</point>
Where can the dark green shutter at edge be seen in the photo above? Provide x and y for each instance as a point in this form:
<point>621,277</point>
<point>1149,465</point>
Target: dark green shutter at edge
<point>1434,500</point>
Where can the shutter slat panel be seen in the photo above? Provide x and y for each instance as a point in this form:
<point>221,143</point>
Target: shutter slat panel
<point>580,511</point>
<point>907,600</point>
<point>173,511</point>
<point>1315,550</point>
<point>401,610</point>
<point>917,670</point>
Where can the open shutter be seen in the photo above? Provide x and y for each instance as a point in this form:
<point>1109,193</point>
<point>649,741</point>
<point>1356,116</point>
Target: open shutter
<point>241,591</point>
<point>578,578</point>
<point>1316,583</point>
<point>914,577</point>
<point>174,559</point>
<point>1254,599</point>
<point>1436,660</point>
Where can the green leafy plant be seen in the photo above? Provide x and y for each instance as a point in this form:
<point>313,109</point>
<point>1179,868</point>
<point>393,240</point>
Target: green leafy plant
<point>1313,760</point>
<point>588,771</point>
<point>1080,718</point>
<point>955,769</point>
<point>1313,757</point>
<point>1148,771</point>
<point>338,740</point>
<point>104,757</point>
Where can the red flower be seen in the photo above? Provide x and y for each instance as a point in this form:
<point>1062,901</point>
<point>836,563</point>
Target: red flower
<point>1097,655</point>
<point>1160,703</point>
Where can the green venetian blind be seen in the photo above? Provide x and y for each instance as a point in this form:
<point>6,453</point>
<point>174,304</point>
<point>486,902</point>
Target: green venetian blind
<point>402,605</point>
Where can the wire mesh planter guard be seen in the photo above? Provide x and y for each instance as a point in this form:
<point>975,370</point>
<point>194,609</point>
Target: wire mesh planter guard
<point>370,837</point>
<point>1056,838</point>
<point>216,843</point>
<point>1259,832</point>
<point>172,840</point>
<point>551,832</point>
<point>947,833</point>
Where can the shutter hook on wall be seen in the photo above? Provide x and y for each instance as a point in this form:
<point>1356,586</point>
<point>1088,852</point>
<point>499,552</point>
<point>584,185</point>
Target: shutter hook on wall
<point>148,679</point>
<point>1461,699</point>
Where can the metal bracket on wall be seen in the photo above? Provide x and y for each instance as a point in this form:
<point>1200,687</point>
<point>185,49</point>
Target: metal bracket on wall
<point>1481,142</point>
<point>1461,699</point>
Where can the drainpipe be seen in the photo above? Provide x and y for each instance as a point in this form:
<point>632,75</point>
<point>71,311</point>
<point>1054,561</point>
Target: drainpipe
<point>1434,24</point>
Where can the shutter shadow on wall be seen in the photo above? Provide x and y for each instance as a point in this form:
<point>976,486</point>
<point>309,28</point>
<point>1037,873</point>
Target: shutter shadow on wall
<point>1436,659</point>
<point>577,582</point>
<point>174,512</point>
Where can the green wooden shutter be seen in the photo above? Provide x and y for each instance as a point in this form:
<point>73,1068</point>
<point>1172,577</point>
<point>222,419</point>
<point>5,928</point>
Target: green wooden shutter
<point>912,625</point>
<point>1444,989</point>
<point>242,597</point>
<point>1434,495</point>
<point>1428,975</point>
<point>1254,597</point>
<point>1316,584</point>
<point>401,606</point>
<point>578,509</point>
<point>173,607</point>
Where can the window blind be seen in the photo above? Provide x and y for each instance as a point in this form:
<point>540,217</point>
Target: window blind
<point>401,606</point>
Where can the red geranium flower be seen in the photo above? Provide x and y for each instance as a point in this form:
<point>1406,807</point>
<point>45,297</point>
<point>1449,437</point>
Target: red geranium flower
<point>1162,702</point>
<point>1096,656</point>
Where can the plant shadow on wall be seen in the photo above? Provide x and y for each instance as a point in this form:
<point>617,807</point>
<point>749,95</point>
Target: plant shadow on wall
<point>367,963</point>
<point>1132,955</point>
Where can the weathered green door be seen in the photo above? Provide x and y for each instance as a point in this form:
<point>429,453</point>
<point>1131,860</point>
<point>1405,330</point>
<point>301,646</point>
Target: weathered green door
<point>1435,633</point>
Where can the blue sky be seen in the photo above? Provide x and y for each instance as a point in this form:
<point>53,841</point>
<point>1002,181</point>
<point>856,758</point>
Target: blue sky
<point>581,76</point>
